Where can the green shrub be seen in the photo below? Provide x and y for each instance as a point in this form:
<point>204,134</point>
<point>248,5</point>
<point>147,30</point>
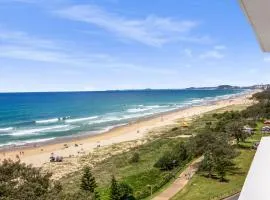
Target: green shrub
<point>174,129</point>
<point>120,191</point>
<point>135,158</point>
<point>173,158</point>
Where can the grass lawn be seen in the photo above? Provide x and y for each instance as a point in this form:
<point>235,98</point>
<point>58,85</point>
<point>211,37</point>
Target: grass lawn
<point>202,188</point>
<point>137,175</point>
<point>142,174</point>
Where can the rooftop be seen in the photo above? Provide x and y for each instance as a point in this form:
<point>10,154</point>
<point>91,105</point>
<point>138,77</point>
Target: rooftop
<point>257,12</point>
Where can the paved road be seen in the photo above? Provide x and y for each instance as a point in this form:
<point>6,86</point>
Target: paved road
<point>234,197</point>
<point>180,182</point>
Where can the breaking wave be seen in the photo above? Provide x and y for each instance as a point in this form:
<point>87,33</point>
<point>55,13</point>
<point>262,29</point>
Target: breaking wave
<point>47,121</point>
<point>41,130</point>
<point>5,130</point>
<point>80,119</point>
<point>20,143</point>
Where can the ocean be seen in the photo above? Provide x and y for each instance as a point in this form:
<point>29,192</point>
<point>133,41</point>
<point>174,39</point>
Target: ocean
<point>27,118</point>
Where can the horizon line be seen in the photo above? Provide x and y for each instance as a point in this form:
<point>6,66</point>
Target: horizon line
<point>114,90</point>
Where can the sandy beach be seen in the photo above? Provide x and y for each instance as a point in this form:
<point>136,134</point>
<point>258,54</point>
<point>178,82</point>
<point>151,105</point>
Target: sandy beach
<point>73,149</point>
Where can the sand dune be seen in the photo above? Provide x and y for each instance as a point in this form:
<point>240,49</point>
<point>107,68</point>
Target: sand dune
<point>136,131</point>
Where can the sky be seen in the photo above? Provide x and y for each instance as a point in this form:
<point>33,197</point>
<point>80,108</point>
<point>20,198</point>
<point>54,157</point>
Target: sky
<point>86,45</point>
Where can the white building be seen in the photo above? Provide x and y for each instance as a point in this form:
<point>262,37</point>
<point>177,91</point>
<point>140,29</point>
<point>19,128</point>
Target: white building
<point>257,183</point>
<point>258,14</point>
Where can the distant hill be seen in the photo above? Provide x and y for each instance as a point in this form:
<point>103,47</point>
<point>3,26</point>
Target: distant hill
<point>227,87</point>
<point>220,87</point>
<point>230,87</point>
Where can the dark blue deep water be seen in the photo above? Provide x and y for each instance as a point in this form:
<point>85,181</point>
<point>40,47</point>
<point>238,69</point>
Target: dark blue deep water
<point>36,117</point>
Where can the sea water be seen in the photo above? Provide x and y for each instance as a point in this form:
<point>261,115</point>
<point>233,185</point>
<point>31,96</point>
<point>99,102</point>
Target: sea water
<point>27,118</point>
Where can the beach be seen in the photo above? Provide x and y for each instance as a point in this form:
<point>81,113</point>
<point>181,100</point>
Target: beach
<point>38,154</point>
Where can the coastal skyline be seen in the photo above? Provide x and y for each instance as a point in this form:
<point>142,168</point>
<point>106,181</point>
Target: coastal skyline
<point>67,45</point>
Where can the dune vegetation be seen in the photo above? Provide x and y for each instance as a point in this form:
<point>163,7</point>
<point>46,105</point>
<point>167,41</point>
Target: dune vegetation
<point>144,170</point>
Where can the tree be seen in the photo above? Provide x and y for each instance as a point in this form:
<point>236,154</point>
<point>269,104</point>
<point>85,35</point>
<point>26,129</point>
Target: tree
<point>203,142</point>
<point>166,162</point>
<point>217,151</point>
<point>115,193</point>
<point>88,182</point>
<point>225,118</point>
<point>171,159</point>
<point>125,191</point>
<point>21,181</point>
<point>208,164</point>
<point>223,164</point>
<point>223,155</point>
<point>235,129</point>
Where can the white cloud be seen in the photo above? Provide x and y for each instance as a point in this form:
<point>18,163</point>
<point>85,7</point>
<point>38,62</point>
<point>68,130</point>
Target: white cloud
<point>151,30</point>
<point>25,40</point>
<point>217,52</point>
<point>212,54</point>
<point>21,46</point>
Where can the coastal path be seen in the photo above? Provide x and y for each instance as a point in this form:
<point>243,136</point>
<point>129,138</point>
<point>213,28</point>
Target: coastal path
<point>180,181</point>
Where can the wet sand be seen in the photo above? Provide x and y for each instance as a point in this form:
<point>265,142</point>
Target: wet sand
<point>39,154</point>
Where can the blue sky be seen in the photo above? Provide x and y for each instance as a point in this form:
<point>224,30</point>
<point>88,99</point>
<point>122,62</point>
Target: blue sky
<point>67,45</point>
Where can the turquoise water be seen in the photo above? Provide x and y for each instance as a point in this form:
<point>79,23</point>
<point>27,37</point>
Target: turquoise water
<point>37,117</point>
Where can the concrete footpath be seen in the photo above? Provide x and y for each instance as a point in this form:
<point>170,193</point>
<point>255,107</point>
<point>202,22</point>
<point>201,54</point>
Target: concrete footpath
<point>180,182</point>
<point>233,197</point>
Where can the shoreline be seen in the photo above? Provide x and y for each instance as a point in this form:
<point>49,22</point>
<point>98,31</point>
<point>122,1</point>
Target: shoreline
<point>86,134</point>
<point>38,154</point>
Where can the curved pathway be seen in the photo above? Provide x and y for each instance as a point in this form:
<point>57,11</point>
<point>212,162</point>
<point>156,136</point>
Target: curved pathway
<point>233,197</point>
<point>180,181</point>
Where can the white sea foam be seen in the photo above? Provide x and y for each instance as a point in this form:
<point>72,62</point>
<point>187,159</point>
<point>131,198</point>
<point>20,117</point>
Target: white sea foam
<point>197,101</point>
<point>119,117</point>
<point>38,140</point>
<point>157,106</point>
<point>80,119</point>
<point>136,110</point>
<point>105,119</point>
<point>20,143</point>
<point>5,130</point>
<point>39,130</point>
<point>47,121</point>
<point>108,128</point>
<point>142,108</point>
<point>131,116</point>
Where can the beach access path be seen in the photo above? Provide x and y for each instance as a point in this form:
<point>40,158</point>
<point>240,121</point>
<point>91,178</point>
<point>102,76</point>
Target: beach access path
<point>233,197</point>
<point>180,181</point>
